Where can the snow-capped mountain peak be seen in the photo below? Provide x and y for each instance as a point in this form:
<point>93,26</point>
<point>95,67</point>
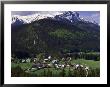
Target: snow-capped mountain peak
<point>66,16</point>
<point>18,20</point>
<point>70,16</point>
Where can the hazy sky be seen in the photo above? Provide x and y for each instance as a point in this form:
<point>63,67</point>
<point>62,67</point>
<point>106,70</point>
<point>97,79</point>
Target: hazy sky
<point>87,15</point>
<point>90,15</point>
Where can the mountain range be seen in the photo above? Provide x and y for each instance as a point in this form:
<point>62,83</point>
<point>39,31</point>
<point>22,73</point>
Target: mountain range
<point>61,33</point>
<point>68,15</point>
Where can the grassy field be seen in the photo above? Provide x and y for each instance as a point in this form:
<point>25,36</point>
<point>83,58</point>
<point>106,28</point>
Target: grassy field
<point>52,72</point>
<point>22,65</point>
<point>91,63</point>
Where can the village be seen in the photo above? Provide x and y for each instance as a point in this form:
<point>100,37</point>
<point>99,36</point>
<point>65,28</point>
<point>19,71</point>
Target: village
<point>55,63</point>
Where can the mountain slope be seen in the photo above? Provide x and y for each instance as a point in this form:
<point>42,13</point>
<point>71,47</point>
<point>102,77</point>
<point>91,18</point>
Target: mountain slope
<point>54,36</point>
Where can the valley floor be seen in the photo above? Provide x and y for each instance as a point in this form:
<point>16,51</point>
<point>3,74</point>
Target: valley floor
<point>22,70</point>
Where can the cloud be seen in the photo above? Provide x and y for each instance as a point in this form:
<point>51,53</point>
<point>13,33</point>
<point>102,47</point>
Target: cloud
<point>24,13</point>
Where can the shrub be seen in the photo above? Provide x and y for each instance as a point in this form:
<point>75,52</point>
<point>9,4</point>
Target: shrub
<point>40,56</point>
<point>94,72</point>
<point>18,72</point>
